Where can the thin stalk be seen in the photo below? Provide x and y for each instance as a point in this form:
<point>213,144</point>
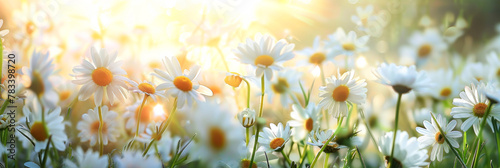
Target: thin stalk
<point>101,123</point>
<point>262,82</point>
<point>166,125</point>
<point>139,115</point>
<point>327,142</point>
<point>368,128</point>
<point>247,138</point>
<point>304,154</point>
<point>147,148</point>
<point>255,142</point>
<point>361,158</point>
<point>480,134</point>
<point>395,128</point>
<point>46,152</point>
<point>286,157</point>
<point>497,135</point>
<point>448,142</point>
<point>4,106</point>
<point>325,165</point>
<point>323,80</point>
<point>248,93</point>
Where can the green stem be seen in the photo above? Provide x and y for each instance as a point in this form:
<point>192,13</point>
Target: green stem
<point>480,134</point>
<point>101,123</point>
<point>395,128</point>
<point>4,106</point>
<point>248,93</point>
<point>323,80</point>
<point>262,97</point>
<point>46,152</point>
<point>139,115</point>
<point>327,142</point>
<point>255,143</point>
<point>247,136</point>
<point>286,157</point>
<point>325,165</point>
<point>497,135</point>
<point>164,127</point>
<point>304,154</point>
<point>147,148</point>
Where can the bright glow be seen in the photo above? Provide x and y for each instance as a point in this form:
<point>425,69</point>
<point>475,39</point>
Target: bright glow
<point>316,71</point>
<point>361,62</point>
<point>158,111</point>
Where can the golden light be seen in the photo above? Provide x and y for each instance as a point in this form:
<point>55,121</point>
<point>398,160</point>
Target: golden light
<point>158,112</point>
<point>361,62</point>
<point>316,71</point>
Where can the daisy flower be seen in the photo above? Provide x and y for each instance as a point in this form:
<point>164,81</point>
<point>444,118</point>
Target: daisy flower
<point>318,54</point>
<point>135,159</point>
<point>423,46</point>
<point>219,135</point>
<point>446,85</point>
<point>86,159</point>
<point>433,137</point>
<point>247,117</point>
<point>36,78</point>
<point>274,138</point>
<point>146,88</point>
<point>476,72</point>
<point>347,44</point>
<point>364,18</point>
<point>183,86</point>
<point>265,54</point>
<point>40,131</point>
<point>491,91</point>
<point>304,120</point>
<point>3,32</point>
<point>260,159</point>
<point>66,91</point>
<point>406,150</point>
<point>286,84</point>
<point>102,74</point>
<point>89,126</point>
<point>151,113</point>
<point>4,121</point>
<point>494,64</point>
<point>340,90</point>
<point>472,105</point>
<point>319,138</point>
<point>233,79</point>
<point>402,79</point>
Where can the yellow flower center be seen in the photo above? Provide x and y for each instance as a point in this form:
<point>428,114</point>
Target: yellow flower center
<point>245,163</point>
<point>146,114</point>
<point>341,93</point>
<point>94,127</point>
<point>276,143</point>
<point>317,58</point>
<point>424,50</point>
<point>217,138</point>
<point>396,163</point>
<point>146,88</point>
<point>445,92</point>
<point>309,124</point>
<point>183,83</point>
<point>439,138</point>
<point>215,89</point>
<point>39,131</point>
<point>478,78</point>
<point>265,60</point>
<point>102,76</point>
<point>280,86</point>
<point>64,95</point>
<point>37,84</point>
<point>156,136</point>
<point>349,46</point>
<point>30,27</point>
<point>233,80</point>
<point>479,109</point>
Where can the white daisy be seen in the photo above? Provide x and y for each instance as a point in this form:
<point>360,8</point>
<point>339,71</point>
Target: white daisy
<point>4,121</point>
<point>494,64</point>
<point>219,135</point>
<point>89,126</point>
<point>3,32</point>
<point>365,18</point>
<point>319,138</point>
<point>347,44</point>
<point>135,159</point>
<point>39,131</point>
<point>66,91</point>
<point>491,91</point>
<point>432,136</point>
<point>260,158</point>
<point>402,79</point>
<point>151,113</point>
<point>342,89</point>
<point>183,86</point>
<point>472,105</point>
<point>446,85</point>
<point>274,138</point>
<point>146,88</point>
<point>406,150</point>
<point>247,117</point>
<point>422,47</point>
<point>88,159</point>
<point>100,75</point>
<point>36,78</point>
<point>304,120</point>
<point>286,85</point>
<point>265,54</point>
<point>475,72</point>
<point>318,54</point>
<point>452,33</point>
